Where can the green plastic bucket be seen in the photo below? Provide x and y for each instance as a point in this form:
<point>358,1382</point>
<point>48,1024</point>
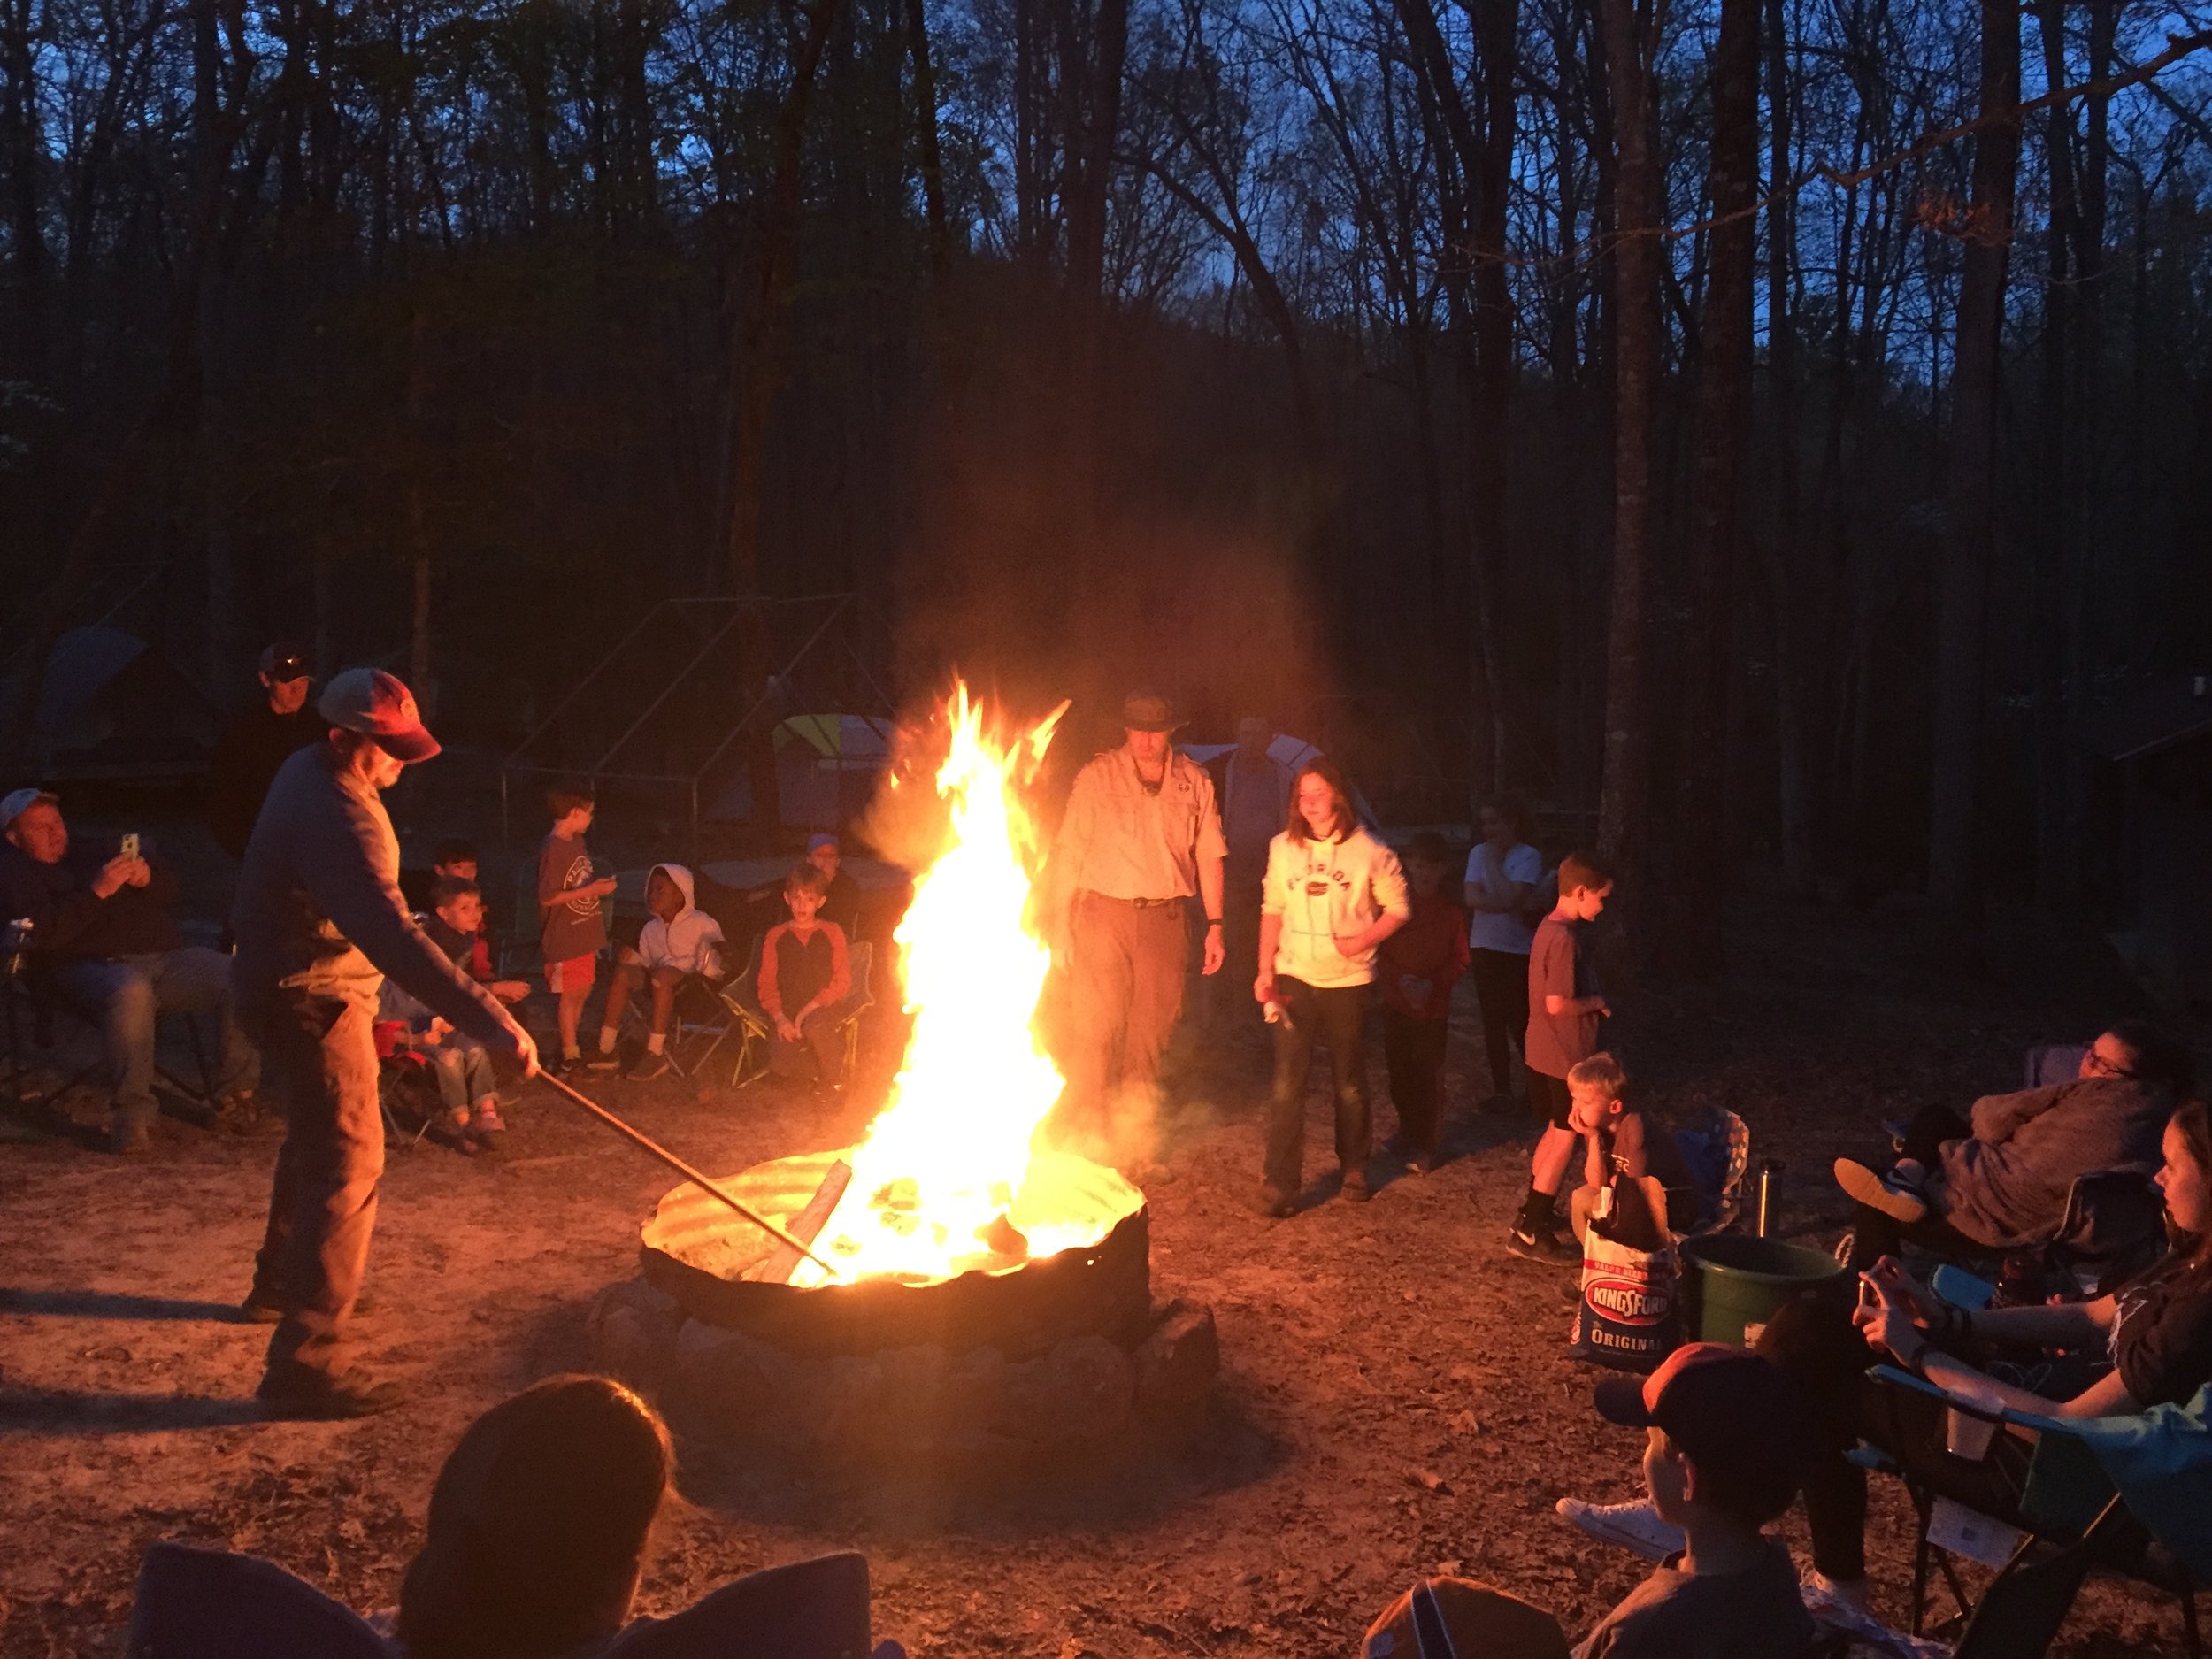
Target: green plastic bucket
<point>1734,1283</point>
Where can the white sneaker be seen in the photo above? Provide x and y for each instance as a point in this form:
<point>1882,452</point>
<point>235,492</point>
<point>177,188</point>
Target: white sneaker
<point>1634,1526</point>
<point>1849,1594</point>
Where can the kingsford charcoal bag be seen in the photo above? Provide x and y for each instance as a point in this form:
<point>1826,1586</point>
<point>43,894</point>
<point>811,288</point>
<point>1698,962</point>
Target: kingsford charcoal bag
<point>1630,1313</point>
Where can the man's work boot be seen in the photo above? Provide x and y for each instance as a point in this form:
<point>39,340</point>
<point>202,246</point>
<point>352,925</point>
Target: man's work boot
<point>312,1397</point>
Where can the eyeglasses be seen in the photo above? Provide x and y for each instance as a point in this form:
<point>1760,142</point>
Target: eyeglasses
<point>2097,1065</point>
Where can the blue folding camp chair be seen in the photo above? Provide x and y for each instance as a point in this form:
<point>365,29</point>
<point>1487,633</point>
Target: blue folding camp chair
<point>2129,1495</point>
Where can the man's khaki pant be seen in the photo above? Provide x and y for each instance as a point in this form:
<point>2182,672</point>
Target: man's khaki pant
<point>322,1054</point>
<point>1128,962</point>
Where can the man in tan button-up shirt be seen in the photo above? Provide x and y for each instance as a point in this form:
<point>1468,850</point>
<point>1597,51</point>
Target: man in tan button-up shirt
<point>1141,838</point>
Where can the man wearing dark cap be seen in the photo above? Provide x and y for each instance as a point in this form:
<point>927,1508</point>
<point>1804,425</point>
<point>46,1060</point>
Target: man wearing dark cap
<point>1141,839</point>
<point>258,741</point>
<point>320,922</point>
<point>1726,1438</point>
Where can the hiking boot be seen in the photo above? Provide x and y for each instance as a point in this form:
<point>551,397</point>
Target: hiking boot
<point>1274,1203</point>
<point>1632,1526</point>
<point>1898,1203</point>
<point>312,1397</point>
<point>130,1138</point>
<point>650,1067</point>
<point>1542,1245</point>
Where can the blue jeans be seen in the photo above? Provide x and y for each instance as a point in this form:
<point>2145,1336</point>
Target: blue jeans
<point>129,993</point>
<point>463,1067</point>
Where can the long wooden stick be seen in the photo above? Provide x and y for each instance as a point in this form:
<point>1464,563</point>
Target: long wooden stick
<point>685,1170</point>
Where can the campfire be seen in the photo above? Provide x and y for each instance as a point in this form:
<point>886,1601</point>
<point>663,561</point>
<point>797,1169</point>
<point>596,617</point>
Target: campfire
<point>988,1306</point>
<point>950,1179</point>
<point>947,1180</point>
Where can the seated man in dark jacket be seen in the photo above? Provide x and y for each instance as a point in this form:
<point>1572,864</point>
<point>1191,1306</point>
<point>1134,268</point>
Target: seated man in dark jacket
<point>2000,1181</point>
<point>101,924</point>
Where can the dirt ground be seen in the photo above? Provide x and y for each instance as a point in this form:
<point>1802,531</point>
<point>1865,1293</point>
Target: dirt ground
<point>1396,1395</point>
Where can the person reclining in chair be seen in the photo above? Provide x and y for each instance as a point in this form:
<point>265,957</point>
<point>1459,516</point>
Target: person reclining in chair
<point>2001,1180</point>
<point>105,925</point>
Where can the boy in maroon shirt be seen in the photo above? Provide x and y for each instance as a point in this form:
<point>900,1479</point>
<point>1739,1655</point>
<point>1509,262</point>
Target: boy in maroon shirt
<point>804,973</point>
<point>1564,1009</point>
<point>1416,968</point>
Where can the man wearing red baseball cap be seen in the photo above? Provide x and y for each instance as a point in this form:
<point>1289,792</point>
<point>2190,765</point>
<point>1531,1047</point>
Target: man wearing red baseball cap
<point>320,922</point>
<point>1725,1440</point>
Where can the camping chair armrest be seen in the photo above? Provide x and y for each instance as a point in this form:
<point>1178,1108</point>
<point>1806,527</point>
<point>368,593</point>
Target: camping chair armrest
<point>1894,1376</point>
<point>1897,1376</point>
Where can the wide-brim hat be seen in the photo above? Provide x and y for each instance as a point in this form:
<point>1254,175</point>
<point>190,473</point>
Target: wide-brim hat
<point>380,706</point>
<point>1147,712</point>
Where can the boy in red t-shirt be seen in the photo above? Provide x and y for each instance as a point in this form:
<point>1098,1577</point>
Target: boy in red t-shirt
<point>804,973</point>
<point>1416,968</point>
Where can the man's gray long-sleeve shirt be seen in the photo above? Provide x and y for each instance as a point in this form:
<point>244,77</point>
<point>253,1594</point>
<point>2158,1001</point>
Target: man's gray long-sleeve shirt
<point>318,910</point>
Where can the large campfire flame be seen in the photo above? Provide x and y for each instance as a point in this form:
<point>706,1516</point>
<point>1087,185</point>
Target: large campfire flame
<point>944,1181</point>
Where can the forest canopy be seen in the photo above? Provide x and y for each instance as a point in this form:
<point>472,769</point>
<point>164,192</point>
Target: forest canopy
<point>1755,426</point>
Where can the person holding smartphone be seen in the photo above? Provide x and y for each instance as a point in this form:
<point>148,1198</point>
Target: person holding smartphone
<point>103,925</point>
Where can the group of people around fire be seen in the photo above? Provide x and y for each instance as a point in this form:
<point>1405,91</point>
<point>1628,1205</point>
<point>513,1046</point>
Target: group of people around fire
<point>1327,917</point>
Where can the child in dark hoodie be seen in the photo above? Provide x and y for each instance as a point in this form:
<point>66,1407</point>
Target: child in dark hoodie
<point>678,939</point>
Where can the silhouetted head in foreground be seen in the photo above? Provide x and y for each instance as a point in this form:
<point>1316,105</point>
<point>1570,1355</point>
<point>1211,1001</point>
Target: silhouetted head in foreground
<point>538,1524</point>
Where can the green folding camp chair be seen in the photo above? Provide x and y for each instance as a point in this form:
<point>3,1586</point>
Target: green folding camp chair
<point>755,1031</point>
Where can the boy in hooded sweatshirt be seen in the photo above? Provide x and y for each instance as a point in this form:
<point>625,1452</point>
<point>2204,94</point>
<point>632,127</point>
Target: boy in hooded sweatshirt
<point>678,939</point>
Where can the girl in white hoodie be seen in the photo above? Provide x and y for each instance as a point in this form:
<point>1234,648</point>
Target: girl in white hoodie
<point>1333,893</point>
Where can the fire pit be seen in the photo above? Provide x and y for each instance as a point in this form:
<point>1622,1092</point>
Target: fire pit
<point>965,1291</point>
<point>1013,1364</point>
<point>723,1273</point>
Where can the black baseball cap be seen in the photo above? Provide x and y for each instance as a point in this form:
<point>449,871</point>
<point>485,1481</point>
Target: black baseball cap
<point>284,661</point>
<point>1724,1407</point>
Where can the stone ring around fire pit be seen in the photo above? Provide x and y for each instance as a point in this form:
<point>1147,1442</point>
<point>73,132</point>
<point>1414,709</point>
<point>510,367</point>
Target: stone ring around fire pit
<point>1012,1362</point>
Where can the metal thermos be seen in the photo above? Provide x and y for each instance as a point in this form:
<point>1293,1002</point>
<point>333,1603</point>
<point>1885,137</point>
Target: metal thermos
<point>1769,1194</point>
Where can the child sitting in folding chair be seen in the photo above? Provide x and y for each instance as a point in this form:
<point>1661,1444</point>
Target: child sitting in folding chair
<point>805,974</point>
<point>468,1091</point>
<point>679,941</point>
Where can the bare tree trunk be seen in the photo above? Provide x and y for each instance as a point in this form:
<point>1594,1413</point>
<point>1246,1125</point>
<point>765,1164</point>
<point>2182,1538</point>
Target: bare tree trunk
<point>417,514</point>
<point>1954,885</point>
<point>753,364</point>
<point>1792,721</point>
<point>21,144</point>
<point>1636,255</point>
<point>1497,29</point>
<point>1723,403</point>
<point>2054,552</point>
<point>932,165</point>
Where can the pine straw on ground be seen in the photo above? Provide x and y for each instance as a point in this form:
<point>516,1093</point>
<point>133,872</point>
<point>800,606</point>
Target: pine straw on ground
<point>1395,1397</point>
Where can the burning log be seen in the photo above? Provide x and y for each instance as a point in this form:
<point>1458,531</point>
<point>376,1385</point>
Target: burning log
<point>775,1267</point>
